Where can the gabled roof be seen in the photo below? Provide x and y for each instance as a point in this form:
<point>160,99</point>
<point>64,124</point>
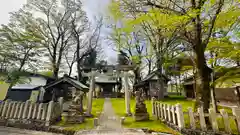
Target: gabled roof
<point>69,80</point>
<point>154,76</point>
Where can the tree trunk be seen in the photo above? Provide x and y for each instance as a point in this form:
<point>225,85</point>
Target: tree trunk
<point>137,78</point>
<point>70,72</point>
<point>55,72</point>
<point>202,79</point>
<point>160,78</point>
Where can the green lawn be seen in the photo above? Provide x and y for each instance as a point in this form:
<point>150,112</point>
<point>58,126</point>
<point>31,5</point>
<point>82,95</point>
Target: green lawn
<point>97,106</point>
<point>119,108</point>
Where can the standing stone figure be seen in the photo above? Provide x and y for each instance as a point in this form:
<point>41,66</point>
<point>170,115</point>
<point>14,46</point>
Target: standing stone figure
<point>75,111</point>
<point>141,113</point>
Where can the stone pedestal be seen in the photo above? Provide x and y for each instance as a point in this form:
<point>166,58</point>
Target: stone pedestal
<point>75,110</point>
<point>74,114</point>
<point>141,113</point>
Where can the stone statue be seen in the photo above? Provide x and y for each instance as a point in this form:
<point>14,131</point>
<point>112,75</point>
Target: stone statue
<point>75,111</point>
<point>77,100</point>
<point>141,113</point>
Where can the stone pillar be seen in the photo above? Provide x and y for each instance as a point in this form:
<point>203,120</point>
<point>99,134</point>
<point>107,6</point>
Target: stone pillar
<point>41,95</point>
<point>60,100</point>
<point>25,111</point>
<point>95,122</point>
<point>49,113</point>
<point>127,97</point>
<point>90,94</point>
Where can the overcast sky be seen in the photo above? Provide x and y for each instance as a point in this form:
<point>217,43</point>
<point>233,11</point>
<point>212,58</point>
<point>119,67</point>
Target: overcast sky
<point>92,7</point>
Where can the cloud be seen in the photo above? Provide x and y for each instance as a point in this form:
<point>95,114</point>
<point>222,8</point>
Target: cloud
<point>7,6</point>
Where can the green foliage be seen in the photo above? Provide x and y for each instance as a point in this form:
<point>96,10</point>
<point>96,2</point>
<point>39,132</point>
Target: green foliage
<point>47,73</point>
<point>16,76</point>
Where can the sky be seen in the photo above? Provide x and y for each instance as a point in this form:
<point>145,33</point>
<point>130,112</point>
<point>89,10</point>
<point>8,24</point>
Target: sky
<point>92,8</point>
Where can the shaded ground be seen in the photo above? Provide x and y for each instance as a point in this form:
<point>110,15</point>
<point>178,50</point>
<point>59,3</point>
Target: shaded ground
<point>14,131</point>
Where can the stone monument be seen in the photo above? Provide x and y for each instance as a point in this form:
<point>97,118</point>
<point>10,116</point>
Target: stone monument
<point>141,113</point>
<point>75,111</point>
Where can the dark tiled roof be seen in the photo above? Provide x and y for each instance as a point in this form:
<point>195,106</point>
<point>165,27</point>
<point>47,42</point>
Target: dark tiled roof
<point>69,80</point>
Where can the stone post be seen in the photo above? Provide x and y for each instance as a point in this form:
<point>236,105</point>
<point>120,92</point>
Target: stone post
<point>49,113</point>
<point>153,106</point>
<point>35,111</point>
<point>5,109</point>
<point>180,117</point>
<point>25,109</point>
<point>60,100</point>
<point>17,109</point>
<point>122,120</point>
<point>213,119</point>
<point>202,119</point>
<point>9,110</point>
<point>44,112</point>
<point>30,112</point>
<point>13,109</point>
<point>95,122</point>
<point>21,111</point>
<point>226,121</point>
<point>90,93</point>
<point>42,92</point>
<point>236,113</point>
<point>127,97</point>
<point>39,111</point>
<point>192,119</point>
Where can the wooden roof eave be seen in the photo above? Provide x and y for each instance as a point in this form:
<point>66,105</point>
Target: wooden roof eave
<point>69,81</point>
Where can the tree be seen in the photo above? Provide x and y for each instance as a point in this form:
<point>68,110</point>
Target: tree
<point>196,20</point>
<point>161,40</point>
<point>55,25</point>
<point>70,58</point>
<point>20,47</point>
<point>91,47</point>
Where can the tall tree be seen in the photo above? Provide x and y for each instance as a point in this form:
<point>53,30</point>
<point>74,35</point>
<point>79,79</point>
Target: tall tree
<point>55,25</point>
<point>160,39</point>
<point>196,22</point>
<point>20,42</point>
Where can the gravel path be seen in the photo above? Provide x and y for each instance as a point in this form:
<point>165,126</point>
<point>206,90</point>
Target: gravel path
<point>15,131</point>
<point>109,124</point>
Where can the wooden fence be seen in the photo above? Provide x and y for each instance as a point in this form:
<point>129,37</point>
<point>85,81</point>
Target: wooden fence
<point>174,115</point>
<point>42,112</point>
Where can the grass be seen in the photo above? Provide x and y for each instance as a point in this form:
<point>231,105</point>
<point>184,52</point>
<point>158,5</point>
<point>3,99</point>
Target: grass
<point>97,106</point>
<point>119,108</point>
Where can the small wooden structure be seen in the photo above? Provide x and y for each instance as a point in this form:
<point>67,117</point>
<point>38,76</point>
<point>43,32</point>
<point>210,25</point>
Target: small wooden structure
<point>150,85</point>
<point>63,87</point>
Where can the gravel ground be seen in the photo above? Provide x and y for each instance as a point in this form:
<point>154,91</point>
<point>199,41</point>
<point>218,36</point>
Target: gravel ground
<point>14,131</point>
